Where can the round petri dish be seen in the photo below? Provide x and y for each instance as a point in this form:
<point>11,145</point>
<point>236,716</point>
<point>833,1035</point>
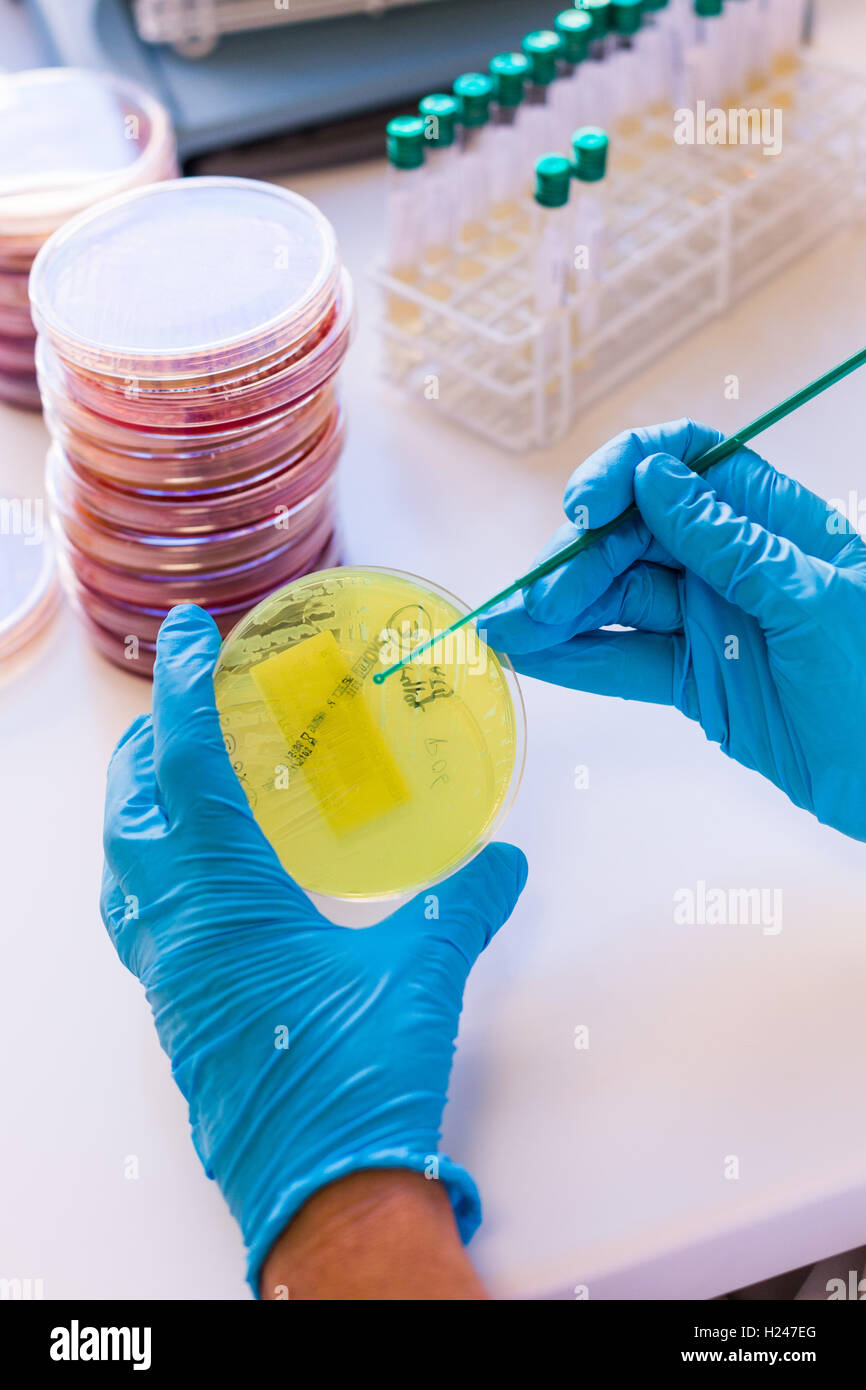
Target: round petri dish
<point>250,579</point>
<point>16,322</point>
<point>125,619</point>
<point>186,278</point>
<point>368,791</point>
<point>21,389</point>
<point>70,137</point>
<point>197,458</point>
<point>214,402</point>
<point>126,635</point>
<point>16,355</point>
<point>192,513</point>
<point>179,552</point>
<point>13,290</point>
<point>29,591</point>
<point>127,651</point>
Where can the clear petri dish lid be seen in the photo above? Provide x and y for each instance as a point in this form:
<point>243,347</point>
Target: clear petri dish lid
<point>29,591</point>
<point>191,277</point>
<point>69,137</point>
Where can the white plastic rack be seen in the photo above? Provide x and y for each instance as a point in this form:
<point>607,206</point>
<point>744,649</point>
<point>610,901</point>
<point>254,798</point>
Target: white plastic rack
<point>691,229</point>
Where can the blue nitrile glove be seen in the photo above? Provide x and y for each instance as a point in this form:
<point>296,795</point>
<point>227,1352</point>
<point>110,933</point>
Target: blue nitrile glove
<point>749,596</point>
<point>232,953</point>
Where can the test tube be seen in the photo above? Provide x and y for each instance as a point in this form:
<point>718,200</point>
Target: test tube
<point>553,258</point>
<point>656,45</point>
<point>508,73</point>
<point>572,95</point>
<point>543,47</point>
<point>680,22</point>
<point>404,212</point>
<point>754,38</point>
<point>787,28</point>
<point>439,113</point>
<point>705,67</point>
<point>732,82</point>
<point>589,221</point>
<point>473,91</point>
<point>599,13</point>
<point>628,93</point>
<point>596,73</point>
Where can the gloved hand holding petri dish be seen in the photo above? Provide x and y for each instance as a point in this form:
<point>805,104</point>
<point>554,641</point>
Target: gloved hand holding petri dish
<point>368,790</point>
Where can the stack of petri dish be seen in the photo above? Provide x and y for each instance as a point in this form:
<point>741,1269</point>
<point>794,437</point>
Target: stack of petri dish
<point>68,138</point>
<point>189,338</point>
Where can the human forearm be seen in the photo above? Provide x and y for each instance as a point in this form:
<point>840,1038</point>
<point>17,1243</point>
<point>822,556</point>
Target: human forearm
<point>378,1235</point>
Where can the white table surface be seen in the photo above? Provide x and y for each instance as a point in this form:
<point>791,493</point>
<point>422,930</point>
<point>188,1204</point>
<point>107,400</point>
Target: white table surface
<point>605,1167</point>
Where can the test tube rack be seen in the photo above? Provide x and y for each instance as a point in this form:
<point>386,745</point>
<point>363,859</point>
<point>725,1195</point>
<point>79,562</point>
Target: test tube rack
<point>691,230</point>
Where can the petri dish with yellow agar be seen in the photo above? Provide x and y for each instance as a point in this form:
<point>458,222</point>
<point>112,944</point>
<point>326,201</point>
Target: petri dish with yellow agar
<point>369,791</point>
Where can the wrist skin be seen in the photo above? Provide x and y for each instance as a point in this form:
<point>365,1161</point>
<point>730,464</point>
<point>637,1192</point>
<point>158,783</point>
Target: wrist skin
<point>383,1234</point>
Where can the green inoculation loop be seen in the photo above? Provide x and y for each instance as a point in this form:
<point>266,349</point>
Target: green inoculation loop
<point>626,16</point>
<point>590,145</point>
<point>404,142</point>
<point>439,111</point>
<point>707,9</point>
<point>509,73</point>
<point>473,91</point>
<point>542,47</point>
<point>552,181</point>
<point>599,13</point>
<point>717,454</point>
<point>574,28</point>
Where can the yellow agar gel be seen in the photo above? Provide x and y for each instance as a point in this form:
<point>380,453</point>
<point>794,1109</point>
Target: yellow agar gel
<point>319,706</point>
<point>365,790</point>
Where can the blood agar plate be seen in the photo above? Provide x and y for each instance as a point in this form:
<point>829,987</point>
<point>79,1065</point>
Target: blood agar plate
<point>368,791</point>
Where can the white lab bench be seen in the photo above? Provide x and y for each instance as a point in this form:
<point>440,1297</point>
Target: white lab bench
<point>602,1167</point>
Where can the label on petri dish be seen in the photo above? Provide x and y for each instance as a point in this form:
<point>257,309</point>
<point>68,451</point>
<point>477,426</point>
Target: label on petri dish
<point>366,790</point>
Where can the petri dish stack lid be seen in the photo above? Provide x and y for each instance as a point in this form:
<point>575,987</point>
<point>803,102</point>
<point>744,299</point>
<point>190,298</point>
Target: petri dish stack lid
<point>190,280</point>
<point>70,137</point>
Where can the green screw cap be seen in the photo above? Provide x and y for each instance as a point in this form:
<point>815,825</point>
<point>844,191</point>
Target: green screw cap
<point>552,180</point>
<point>542,47</point>
<point>599,13</point>
<point>509,72</point>
<point>439,112</point>
<point>706,9</point>
<point>655,4</point>
<point>404,142</point>
<point>626,16</point>
<point>590,154</point>
<point>473,91</point>
<point>574,28</point>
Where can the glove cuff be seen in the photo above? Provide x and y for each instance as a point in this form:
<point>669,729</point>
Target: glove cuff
<point>464,1196</point>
